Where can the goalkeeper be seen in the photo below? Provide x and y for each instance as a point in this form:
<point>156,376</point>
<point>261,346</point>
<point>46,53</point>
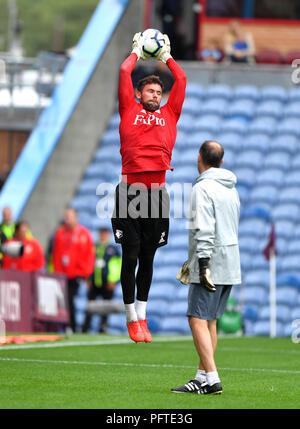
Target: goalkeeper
<point>147,135</point>
<point>214,261</point>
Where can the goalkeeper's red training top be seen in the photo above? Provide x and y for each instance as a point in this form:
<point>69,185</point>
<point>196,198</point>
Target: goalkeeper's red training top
<point>147,138</point>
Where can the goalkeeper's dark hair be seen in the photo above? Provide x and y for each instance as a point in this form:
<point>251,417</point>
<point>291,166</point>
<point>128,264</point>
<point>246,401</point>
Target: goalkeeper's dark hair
<point>212,153</point>
<point>148,80</point>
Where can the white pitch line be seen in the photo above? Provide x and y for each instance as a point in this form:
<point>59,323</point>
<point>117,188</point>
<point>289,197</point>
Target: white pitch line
<point>91,343</point>
<point>148,365</point>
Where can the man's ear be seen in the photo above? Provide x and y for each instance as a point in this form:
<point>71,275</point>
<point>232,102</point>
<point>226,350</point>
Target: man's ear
<point>221,163</point>
<point>138,94</point>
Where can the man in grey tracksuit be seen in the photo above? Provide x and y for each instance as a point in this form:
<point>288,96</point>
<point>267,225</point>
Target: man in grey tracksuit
<point>214,261</point>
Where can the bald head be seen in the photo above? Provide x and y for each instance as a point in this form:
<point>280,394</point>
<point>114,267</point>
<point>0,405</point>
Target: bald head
<point>211,153</point>
<point>7,215</point>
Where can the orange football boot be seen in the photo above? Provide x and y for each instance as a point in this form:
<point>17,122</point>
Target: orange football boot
<point>147,335</point>
<point>135,331</point>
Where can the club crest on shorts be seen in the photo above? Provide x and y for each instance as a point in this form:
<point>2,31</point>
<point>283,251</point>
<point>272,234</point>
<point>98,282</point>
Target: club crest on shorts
<point>162,238</point>
<point>119,233</point>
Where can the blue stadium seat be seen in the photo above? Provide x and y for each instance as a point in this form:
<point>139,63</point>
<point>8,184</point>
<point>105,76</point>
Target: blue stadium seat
<point>259,262</point>
<point>186,123</point>
<point>295,313</point>
<point>263,328</point>
<point>259,278</point>
<point>257,227</point>
<point>178,241</point>
<point>86,218</point>
<point>182,139</point>
<point>293,178</point>
<point>85,203</point>
<point>110,138</point>
<point>250,312</point>
<point>247,92</point>
<point>245,175</point>
<point>246,260</point>
<point>256,295</point>
<point>289,126</point>
<point>181,292</point>
<point>284,229</point>
<point>107,154</point>
<point>286,212</point>
<point>286,295</point>
<point>234,125</point>
<point>157,307</point>
<point>216,106</point>
<point>272,176</point>
<point>289,194</point>
<point>257,142</point>
<point>88,186</point>
<point>114,121</point>
<point>263,194</point>
<point>195,90</point>
<point>251,211</point>
<point>176,308</point>
<point>293,247</point>
<point>269,108</point>
<point>192,106</point>
<point>265,125</point>
<point>209,123</point>
<point>288,279</point>
<point>196,139</point>
<point>243,191</point>
<point>249,159</point>
<point>277,159</point>
<point>249,244</point>
<point>288,143</point>
<point>282,313</point>
<point>295,162</point>
<point>117,322</point>
<point>162,290</point>
<point>292,109</point>
<point>290,263</point>
<point>230,141</point>
<point>274,92</point>
<point>229,159</point>
<point>174,325</point>
<point>219,90</point>
<point>294,94</point>
<point>241,108</point>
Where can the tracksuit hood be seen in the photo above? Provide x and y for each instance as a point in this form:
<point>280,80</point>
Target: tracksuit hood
<point>220,175</point>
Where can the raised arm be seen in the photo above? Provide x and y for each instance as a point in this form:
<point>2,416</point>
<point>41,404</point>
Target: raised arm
<point>177,94</point>
<point>176,97</point>
<point>126,91</point>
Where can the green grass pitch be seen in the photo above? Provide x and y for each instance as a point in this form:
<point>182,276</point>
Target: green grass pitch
<point>112,372</point>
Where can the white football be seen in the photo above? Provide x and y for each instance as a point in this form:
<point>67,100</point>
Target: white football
<point>153,41</point>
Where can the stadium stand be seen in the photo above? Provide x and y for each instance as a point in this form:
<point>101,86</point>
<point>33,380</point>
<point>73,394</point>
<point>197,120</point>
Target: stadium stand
<point>258,127</point>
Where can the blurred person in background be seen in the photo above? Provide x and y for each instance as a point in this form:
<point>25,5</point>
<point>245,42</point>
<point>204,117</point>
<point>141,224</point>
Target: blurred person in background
<point>212,52</point>
<point>73,255</point>
<point>31,255</point>
<point>7,226</point>
<point>106,274</point>
<point>238,45</point>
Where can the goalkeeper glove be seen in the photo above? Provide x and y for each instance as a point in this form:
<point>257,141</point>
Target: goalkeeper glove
<point>164,53</point>
<point>137,46</point>
<point>204,275</point>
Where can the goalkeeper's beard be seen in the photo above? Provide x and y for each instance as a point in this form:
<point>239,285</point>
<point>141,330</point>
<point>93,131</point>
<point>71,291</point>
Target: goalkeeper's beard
<point>151,106</point>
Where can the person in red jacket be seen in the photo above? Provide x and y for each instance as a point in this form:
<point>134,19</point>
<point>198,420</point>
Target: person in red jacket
<point>73,255</point>
<point>140,219</point>
<point>31,257</point>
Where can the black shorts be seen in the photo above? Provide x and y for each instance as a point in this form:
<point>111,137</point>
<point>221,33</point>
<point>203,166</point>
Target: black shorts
<point>141,216</point>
